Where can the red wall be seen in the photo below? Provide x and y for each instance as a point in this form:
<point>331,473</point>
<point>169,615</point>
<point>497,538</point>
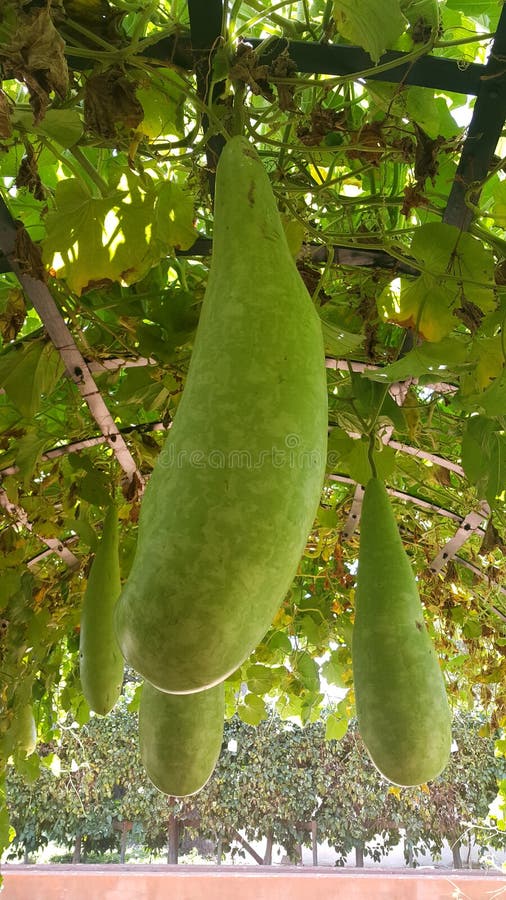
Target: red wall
<point>136,882</point>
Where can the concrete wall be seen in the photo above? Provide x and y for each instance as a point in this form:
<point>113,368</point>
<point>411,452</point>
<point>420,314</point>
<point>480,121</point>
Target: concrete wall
<point>242,883</point>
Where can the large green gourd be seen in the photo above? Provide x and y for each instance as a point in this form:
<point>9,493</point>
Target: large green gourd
<point>24,730</point>
<point>101,662</point>
<point>180,737</point>
<point>233,494</point>
<point>402,709</point>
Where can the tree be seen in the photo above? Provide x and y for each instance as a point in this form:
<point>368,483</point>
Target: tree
<point>271,782</point>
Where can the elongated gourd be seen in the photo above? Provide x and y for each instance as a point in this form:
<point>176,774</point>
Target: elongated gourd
<point>100,660</point>
<point>180,737</point>
<point>402,708</point>
<point>234,492</point>
<point>24,737</point>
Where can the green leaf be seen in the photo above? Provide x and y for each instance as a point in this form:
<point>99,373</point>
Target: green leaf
<point>340,445</point>
<point>457,259</point>
<point>10,582</point>
<point>374,25</point>
<point>253,710</point>
<point>259,678</point>
<point>440,360</point>
<point>314,632</point>
<point>426,11</point>
<point>61,125</point>
<point>30,448</point>
<point>332,670</point>
<point>7,832</point>
<point>492,401</point>
<point>470,7</point>
<point>280,642</point>
<point>339,342</point>
<point>497,209</point>
<point>430,113</point>
<point>28,767</point>
<point>484,457</point>
<point>476,448</point>
<point>336,726</point>
<point>356,461</point>
<point>29,373</point>
<point>95,488</point>
<point>306,670</point>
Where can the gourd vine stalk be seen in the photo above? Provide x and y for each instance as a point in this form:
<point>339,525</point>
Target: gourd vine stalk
<point>238,109</point>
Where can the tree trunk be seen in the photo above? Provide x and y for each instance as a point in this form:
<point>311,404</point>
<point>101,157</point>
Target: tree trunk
<point>122,849</point>
<point>457,859</point>
<point>76,855</point>
<point>359,856</point>
<point>172,840</point>
<point>314,841</point>
<point>268,849</point>
<point>219,850</point>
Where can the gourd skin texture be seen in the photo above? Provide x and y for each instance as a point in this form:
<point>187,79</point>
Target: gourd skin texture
<point>25,730</point>
<point>402,708</point>
<point>100,660</point>
<point>233,495</point>
<point>180,737</point>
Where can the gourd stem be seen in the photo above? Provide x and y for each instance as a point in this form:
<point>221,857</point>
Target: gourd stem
<point>370,455</point>
<point>238,120</point>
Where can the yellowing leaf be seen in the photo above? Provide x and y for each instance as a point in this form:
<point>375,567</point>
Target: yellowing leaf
<point>487,357</point>
<point>423,305</point>
<point>374,25</point>
<point>457,270</point>
<point>396,791</point>
<point>94,240</point>
<point>459,261</point>
<point>162,102</point>
<point>294,233</point>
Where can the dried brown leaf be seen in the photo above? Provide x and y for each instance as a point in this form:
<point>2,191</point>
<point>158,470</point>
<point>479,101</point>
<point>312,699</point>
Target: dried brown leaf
<point>36,56</point>
<point>5,117</point>
<point>13,316</point>
<point>111,105</point>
